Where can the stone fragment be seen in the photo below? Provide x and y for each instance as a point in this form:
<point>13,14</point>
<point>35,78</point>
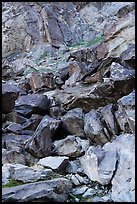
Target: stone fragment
<point>108,115</point>
<point>57,163</point>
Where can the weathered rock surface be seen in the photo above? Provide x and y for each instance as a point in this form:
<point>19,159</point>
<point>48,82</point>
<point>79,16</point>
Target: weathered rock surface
<point>57,163</point>
<point>92,96</point>
<point>51,190</point>
<point>123,182</point>
<point>99,165</point>
<point>127,105</point>
<point>9,93</point>
<point>32,103</point>
<point>73,121</point>
<point>40,144</point>
<point>95,128</point>
<point>71,146</point>
<point>24,173</point>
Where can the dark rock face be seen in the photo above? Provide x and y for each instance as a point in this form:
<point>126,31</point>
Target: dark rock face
<point>33,103</point>
<point>95,129</point>
<point>40,144</point>
<point>73,121</point>
<point>9,93</point>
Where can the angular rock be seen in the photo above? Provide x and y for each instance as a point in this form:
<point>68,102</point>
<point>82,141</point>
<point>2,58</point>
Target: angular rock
<point>15,117</point>
<point>13,156</point>
<point>128,56</point>
<point>57,112</point>
<point>56,190</point>
<point>71,146</point>
<point>14,127</point>
<point>95,129</point>
<point>119,73</point>
<point>32,104</point>
<point>57,163</point>
<point>123,182</point>
<point>99,165</point>
<point>92,96</point>
<point>51,122</point>
<point>73,121</point>
<point>32,123</point>
<point>13,141</point>
<point>39,145</point>
<point>9,93</point>
<point>28,174</point>
<point>108,115</point>
<point>79,190</point>
<point>39,81</point>
<point>127,105</point>
<point>77,179</point>
<point>74,167</point>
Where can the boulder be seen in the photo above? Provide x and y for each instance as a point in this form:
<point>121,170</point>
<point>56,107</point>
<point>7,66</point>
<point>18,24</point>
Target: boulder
<point>13,156</point>
<point>99,165</point>
<point>51,122</point>
<point>95,128</point>
<point>39,81</point>
<point>127,105</point>
<point>123,182</point>
<point>94,95</point>
<point>57,163</point>
<point>71,146</point>
<point>40,144</point>
<point>9,93</point>
<point>108,115</point>
<point>56,190</point>
<point>73,121</point>
<point>32,123</point>
<point>32,104</point>
<point>27,174</point>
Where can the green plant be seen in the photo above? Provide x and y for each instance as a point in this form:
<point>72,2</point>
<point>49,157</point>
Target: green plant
<point>93,41</point>
<point>12,183</point>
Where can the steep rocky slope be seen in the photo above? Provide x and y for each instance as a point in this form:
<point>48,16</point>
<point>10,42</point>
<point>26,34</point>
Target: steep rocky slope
<point>68,101</point>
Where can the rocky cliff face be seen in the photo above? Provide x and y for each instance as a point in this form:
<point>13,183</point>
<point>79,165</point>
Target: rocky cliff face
<point>68,101</point>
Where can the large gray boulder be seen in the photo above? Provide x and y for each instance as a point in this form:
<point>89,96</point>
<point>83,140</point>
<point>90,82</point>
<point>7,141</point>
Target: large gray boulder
<point>56,190</point>
<point>123,182</point>
<point>99,165</point>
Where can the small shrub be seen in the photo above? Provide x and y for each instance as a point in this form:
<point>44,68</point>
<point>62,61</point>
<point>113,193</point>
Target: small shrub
<point>12,183</point>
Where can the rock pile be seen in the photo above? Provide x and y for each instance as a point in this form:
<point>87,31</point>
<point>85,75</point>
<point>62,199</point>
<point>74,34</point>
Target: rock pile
<point>68,121</point>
